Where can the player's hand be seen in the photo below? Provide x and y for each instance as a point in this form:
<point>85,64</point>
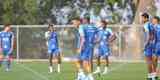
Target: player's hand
<point>78,50</point>
<point>10,51</point>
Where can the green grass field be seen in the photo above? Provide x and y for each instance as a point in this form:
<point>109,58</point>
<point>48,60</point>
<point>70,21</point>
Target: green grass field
<point>39,71</point>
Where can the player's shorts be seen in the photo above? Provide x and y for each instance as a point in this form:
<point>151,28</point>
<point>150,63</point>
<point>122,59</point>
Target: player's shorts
<point>103,50</point>
<point>55,51</point>
<point>87,52</point>
<point>148,50</point>
<point>157,49</point>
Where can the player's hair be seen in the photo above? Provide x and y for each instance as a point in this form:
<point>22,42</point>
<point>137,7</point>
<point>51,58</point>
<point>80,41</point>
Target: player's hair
<point>76,18</point>
<point>105,24</point>
<point>87,18</point>
<point>6,25</point>
<point>157,18</point>
<point>51,26</point>
<point>145,15</point>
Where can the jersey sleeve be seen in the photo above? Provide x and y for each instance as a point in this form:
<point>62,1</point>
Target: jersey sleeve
<point>146,27</point>
<point>110,31</point>
<point>81,31</point>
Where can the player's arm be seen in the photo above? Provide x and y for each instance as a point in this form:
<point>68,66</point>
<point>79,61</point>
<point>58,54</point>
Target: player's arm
<point>47,34</point>
<point>81,37</point>
<point>57,40</point>
<point>112,36</point>
<point>149,35</point>
<point>98,37</point>
<point>12,43</point>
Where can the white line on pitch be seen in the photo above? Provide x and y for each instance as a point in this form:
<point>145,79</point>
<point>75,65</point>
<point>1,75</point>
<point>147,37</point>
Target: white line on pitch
<point>34,72</point>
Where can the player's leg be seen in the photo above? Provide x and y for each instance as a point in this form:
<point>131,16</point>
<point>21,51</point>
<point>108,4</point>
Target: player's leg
<point>150,67</point>
<point>59,62</point>
<point>88,69</point>
<point>50,62</point>
<point>106,65</point>
<point>98,62</point>
<point>149,61</point>
<point>1,59</point>
<point>88,63</point>
<point>156,57</point>
<point>155,66</point>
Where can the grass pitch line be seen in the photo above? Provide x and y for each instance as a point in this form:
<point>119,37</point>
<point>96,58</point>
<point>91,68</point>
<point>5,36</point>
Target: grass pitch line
<point>117,67</point>
<point>42,77</point>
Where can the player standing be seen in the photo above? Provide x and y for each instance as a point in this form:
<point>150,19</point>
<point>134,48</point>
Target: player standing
<point>53,48</point>
<point>77,23</point>
<point>155,22</point>
<point>6,46</point>
<point>105,36</point>
<point>148,44</point>
<point>87,42</point>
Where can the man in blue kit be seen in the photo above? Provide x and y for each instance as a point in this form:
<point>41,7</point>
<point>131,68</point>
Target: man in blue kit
<point>148,44</point>
<point>53,48</point>
<point>6,46</point>
<point>105,37</point>
<point>87,42</point>
<point>156,25</point>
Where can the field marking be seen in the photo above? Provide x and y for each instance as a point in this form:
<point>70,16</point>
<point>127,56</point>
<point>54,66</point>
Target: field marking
<point>117,67</point>
<point>42,77</point>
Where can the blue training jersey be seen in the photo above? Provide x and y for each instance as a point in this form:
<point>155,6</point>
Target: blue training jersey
<point>6,40</point>
<point>157,32</point>
<point>104,35</point>
<point>88,31</point>
<point>52,40</point>
<point>148,28</point>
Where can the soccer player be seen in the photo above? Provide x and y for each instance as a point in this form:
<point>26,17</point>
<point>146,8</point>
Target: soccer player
<point>148,44</point>
<point>6,46</point>
<point>87,42</point>
<point>155,22</point>
<point>53,48</point>
<point>105,36</point>
<point>77,22</point>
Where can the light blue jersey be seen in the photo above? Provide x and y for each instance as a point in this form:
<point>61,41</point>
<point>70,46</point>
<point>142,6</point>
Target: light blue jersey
<point>148,49</point>
<point>6,42</point>
<point>88,32</point>
<point>104,36</point>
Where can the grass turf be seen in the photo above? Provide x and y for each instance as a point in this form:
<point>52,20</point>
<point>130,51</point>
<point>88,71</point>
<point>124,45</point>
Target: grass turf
<point>39,71</point>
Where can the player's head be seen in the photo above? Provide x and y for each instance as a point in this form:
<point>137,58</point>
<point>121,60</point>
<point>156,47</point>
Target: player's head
<point>86,20</point>
<point>76,22</point>
<point>155,20</point>
<point>103,24</point>
<point>7,27</point>
<point>145,17</point>
<point>51,27</point>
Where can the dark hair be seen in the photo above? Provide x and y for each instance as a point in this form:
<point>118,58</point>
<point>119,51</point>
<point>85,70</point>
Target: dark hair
<point>104,22</point>
<point>145,15</point>
<point>87,18</point>
<point>157,18</point>
<point>50,25</point>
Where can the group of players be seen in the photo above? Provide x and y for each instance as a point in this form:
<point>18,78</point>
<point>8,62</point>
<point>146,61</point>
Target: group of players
<point>151,44</point>
<point>89,34</point>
